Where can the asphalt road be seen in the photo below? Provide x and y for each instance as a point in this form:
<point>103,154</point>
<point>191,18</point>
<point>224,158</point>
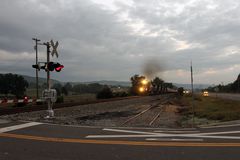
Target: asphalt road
<point>31,140</point>
<point>230,96</point>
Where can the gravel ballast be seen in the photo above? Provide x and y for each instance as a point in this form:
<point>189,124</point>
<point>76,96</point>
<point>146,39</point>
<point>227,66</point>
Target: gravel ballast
<point>111,114</point>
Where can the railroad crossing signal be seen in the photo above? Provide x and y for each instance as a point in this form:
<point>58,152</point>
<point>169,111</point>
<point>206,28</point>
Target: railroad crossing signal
<point>54,48</point>
<point>51,66</point>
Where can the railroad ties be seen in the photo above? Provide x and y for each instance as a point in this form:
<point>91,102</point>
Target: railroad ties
<point>160,105</point>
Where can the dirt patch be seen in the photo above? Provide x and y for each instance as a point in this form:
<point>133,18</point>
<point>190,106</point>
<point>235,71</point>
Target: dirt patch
<point>172,108</point>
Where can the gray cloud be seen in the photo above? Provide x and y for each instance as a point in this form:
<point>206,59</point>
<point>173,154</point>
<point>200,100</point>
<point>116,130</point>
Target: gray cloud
<point>99,43</point>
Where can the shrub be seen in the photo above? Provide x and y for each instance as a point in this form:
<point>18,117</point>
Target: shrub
<point>105,93</point>
<point>60,99</point>
<point>180,91</point>
<point>121,94</point>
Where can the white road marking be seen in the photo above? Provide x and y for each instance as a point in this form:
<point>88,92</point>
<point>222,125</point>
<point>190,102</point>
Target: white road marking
<point>152,135</point>
<point>221,126</point>
<point>213,137</point>
<point>172,139</point>
<point>20,126</point>
<point>217,133</point>
<point>128,136</point>
<point>162,136</point>
<point>158,139</point>
<point>177,139</point>
<point>128,131</point>
<point>177,131</point>
<point>154,128</point>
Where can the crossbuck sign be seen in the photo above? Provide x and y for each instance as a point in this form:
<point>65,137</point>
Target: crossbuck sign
<point>54,48</point>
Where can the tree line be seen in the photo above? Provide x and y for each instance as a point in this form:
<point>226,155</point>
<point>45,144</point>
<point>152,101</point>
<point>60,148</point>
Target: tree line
<point>233,87</point>
<point>12,84</point>
<point>78,88</point>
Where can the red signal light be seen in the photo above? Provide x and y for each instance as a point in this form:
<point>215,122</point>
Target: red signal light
<point>25,99</point>
<point>58,67</point>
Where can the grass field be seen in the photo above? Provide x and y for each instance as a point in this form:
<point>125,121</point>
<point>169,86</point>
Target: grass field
<point>80,98</point>
<point>215,108</point>
<point>32,92</point>
<point>69,98</point>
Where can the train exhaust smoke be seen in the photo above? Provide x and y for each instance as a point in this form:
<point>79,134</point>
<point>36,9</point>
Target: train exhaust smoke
<point>152,68</point>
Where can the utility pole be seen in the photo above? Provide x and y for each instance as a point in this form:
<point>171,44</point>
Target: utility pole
<point>238,79</point>
<point>36,49</point>
<point>238,85</point>
<point>192,95</point>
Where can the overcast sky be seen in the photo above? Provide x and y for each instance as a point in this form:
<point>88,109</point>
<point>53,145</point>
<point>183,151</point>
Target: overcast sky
<point>115,39</point>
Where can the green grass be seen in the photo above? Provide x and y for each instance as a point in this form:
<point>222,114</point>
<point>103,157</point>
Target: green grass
<point>80,98</point>
<point>215,108</point>
<point>70,98</point>
<point>32,92</point>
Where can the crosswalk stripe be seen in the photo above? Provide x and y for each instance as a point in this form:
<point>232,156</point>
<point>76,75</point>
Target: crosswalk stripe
<point>20,126</point>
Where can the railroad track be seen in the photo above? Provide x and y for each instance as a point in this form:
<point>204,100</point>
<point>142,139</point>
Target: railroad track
<point>160,105</point>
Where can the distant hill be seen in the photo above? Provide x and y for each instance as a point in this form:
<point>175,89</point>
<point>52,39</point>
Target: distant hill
<point>195,86</point>
<point>31,79</point>
<point>110,83</point>
<point>103,82</point>
<point>128,84</point>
